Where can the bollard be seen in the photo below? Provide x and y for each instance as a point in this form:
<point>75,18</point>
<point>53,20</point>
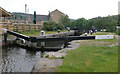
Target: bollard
<point>85,34</point>
<point>91,32</point>
<point>42,33</point>
<point>58,30</point>
<point>68,28</point>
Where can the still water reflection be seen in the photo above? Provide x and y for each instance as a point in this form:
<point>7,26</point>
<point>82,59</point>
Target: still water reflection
<point>16,59</point>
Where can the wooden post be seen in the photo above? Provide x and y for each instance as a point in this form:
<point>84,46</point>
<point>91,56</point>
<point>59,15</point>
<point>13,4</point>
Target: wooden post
<point>13,27</point>
<point>23,27</point>
<point>7,27</point>
<point>17,27</point>
<point>30,27</point>
<point>39,27</point>
<point>35,27</point>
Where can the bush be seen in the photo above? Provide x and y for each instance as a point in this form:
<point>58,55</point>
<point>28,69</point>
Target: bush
<point>52,26</point>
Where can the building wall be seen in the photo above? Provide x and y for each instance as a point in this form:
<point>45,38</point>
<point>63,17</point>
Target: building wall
<point>55,16</point>
<point>40,19</point>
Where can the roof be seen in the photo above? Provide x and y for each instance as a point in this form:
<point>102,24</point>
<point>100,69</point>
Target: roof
<point>57,10</point>
<point>4,13</point>
<point>38,17</point>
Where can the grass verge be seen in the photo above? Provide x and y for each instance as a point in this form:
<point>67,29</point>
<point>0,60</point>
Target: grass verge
<point>103,33</point>
<point>92,56</point>
<point>91,59</point>
<point>37,33</point>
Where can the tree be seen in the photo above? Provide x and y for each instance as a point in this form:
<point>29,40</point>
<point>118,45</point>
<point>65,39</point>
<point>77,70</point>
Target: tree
<point>109,23</point>
<point>51,26</point>
<point>81,24</point>
<point>119,20</point>
<point>34,21</point>
<point>64,20</point>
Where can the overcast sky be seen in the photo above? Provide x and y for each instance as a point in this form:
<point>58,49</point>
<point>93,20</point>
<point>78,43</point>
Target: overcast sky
<point>73,8</point>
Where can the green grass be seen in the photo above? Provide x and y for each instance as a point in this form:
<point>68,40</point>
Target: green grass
<point>103,33</point>
<point>91,59</point>
<point>92,56</point>
<point>99,42</point>
<point>37,33</point>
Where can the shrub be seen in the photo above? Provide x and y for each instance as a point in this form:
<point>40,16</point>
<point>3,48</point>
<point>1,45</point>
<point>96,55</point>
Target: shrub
<point>52,26</point>
<point>47,56</point>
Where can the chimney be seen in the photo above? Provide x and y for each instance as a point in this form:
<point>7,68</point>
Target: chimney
<point>25,8</point>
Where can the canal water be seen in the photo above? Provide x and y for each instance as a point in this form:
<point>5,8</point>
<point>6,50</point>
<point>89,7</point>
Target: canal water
<point>17,59</point>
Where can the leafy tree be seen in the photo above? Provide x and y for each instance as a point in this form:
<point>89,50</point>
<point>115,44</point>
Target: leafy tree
<point>34,21</point>
<point>51,26</point>
<point>119,20</point>
<point>81,24</point>
<point>64,20</point>
<point>109,23</point>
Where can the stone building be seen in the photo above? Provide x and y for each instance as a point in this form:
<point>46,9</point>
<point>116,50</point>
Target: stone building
<point>55,15</point>
<point>40,19</point>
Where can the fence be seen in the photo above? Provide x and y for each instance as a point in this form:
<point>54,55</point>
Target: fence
<point>21,27</point>
<point>26,27</point>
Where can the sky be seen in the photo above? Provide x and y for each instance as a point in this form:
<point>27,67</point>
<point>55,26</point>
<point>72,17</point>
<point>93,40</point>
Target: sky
<point>73,8</point>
